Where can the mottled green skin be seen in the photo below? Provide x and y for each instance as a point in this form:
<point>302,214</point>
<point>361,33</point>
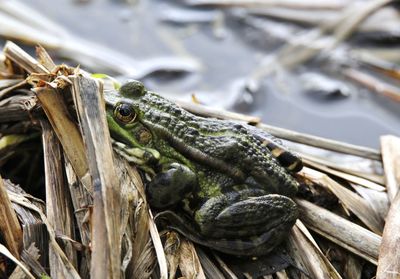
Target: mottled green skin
<point>217,180</point>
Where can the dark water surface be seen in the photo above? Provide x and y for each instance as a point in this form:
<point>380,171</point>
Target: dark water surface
<point>226,49</point>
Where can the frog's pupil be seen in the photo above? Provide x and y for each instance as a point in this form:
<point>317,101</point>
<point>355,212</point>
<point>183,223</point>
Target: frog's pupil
<point>125,110</point>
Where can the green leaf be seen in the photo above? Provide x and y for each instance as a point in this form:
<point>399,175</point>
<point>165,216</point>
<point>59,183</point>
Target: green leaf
<point>106,78</point>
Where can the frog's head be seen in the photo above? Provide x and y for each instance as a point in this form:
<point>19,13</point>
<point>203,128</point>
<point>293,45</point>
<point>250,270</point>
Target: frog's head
<point>124,121</point>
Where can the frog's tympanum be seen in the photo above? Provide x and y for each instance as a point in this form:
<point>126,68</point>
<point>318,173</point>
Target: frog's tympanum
<point>222,184</point>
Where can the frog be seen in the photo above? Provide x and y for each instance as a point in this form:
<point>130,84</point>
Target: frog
<point>221,183</point>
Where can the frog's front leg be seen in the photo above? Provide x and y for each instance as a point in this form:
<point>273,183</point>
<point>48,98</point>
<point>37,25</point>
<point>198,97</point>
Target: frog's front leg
<point>249,225</point>
<point>172,184</point>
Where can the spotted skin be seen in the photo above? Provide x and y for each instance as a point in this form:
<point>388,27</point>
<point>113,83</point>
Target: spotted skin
<point>224,184</point>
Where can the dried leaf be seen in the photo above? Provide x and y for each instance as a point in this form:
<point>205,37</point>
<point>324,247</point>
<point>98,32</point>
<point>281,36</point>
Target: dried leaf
<point>8,254</point>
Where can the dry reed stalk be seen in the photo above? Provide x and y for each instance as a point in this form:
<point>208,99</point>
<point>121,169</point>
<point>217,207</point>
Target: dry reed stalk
<point>217,113</point>
<point>171,248</point>
<point>224,267</point>
<point>66,131</point>
<point>306,46</point>
<point>58,206</point>
<point>161,259</point>
<point>351,200</point>
<point>54,108</point>
<point>189,263</point>
<point>344,233</point>
<point>34,233</point>
<point>353,267</point>
<point>45,59</point>
<point>69,270</point>
<point>323,143</point>
<point>348,177</point>
<point>389,257</point>
<point>18,107</point>
<point>181,253</point>
<point>22,59</point>
<point>18,272</point>
<point>106,243</point>
<point>8,254</point>
<point>211,270</point>
<point>79,194</point>
<point>374,84</point>
<point>376,199</point>
<point>388,67</point>
<point>303,4</point>
<point>10,228</point>
<point>282,275</point>
<point>135,220</point>
<point>354,170</point>
<point>390,146</point>
<point>7,89</point>
<point>82,202</point>
<point>307,253</point>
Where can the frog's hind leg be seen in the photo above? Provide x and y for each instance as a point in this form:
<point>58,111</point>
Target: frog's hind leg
<point>244,223</point>
<point>171,185</point>
<point>258,245</point>
<point>232,216</point>
<point>252,245</point>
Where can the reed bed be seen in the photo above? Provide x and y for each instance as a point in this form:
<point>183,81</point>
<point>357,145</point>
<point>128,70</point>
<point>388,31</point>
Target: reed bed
<point>71,207</point>
<point>95,221</point>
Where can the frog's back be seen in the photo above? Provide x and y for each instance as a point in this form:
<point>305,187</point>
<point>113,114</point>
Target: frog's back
<point>237,150</point>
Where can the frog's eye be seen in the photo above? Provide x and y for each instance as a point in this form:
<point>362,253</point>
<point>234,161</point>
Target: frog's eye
<point>125,113</point>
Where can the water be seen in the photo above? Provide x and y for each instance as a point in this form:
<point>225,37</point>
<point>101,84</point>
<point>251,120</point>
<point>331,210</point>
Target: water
<point>228,48</point>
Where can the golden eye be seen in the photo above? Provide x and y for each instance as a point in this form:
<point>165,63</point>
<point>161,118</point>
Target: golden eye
<point>125,113</point>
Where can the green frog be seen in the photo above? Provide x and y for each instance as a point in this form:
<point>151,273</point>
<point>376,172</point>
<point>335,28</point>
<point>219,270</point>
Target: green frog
<point>223,184</point>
